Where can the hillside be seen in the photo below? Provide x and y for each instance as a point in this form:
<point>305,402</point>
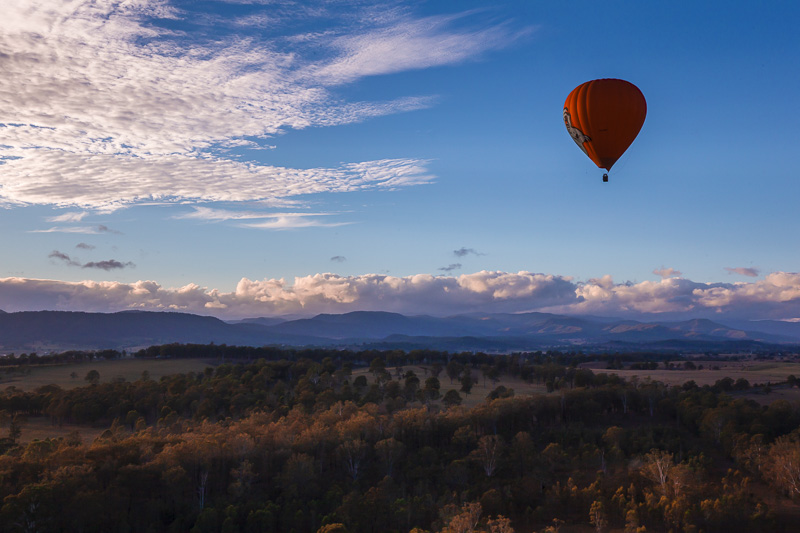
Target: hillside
<point>43,331</point>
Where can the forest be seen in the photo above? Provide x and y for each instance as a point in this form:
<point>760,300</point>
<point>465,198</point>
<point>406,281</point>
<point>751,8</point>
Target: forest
<point>280,440</point>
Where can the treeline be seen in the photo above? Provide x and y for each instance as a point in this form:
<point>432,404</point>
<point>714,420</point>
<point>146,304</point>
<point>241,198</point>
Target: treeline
<point>302,443</point>
<point>67,357</point>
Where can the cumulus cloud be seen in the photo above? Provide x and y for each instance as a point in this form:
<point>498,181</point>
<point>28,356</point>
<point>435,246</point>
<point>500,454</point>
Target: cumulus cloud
<point>777,296</point>
<point>463,252</point>
<point>743,271</point>
<point>667,272</point>
<point>307,295</point>
<point>103,106</point>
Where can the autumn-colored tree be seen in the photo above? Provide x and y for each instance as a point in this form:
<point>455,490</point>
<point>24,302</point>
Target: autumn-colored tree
<point>466,520</point>
<point>489,452</point>
<point>333,528</point>
<point>597,516</point>
<point>783,465</point>
<point>656,467</point>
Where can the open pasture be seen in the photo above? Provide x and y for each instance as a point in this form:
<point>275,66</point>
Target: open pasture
<point>129,369</point>
<point>761,372</point>
<point>479,390</point>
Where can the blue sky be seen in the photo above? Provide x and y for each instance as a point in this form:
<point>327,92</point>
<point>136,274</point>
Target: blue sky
<point>245,158</point>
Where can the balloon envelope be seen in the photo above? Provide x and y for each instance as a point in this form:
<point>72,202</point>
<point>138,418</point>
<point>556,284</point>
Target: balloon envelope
<point>603,117</point>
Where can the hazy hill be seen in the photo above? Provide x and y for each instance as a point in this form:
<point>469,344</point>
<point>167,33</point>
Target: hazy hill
<point>46,330</point>
<point>497,332</point>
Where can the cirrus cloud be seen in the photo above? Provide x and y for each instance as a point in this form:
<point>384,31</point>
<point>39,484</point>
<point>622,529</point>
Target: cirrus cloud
<point>102,105</point>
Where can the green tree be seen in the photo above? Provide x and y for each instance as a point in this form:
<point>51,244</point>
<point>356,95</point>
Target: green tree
<point>452,398</point>
<point>466,381</point>
<point>432,387</point>
<point>93,377</point>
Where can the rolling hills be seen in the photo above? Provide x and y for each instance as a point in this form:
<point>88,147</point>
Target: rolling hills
<point>44,331</point>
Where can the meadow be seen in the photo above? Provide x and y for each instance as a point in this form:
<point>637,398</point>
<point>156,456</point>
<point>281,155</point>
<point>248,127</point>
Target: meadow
<point>33,377</point>
<point>29,379</point>
<point>295,441</point>
<point>761,372</point>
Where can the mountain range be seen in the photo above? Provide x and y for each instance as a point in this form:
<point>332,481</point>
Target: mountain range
<point>44,331</point>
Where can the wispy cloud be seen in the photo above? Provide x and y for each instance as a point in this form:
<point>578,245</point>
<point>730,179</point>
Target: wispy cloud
<point>108,264</point>
<point>274,221</point>
<point>283,221</point>
<point>88,230</point>
<point>338,259</point>
<point>55,254</point>
<point>463,252</point>
<point>667,272</point>
<point>407,44</point>
<point>84,246</point>
<point>451,267</point>
<point>117,108</point>
<point>744,271</point>
<point>69,217</point>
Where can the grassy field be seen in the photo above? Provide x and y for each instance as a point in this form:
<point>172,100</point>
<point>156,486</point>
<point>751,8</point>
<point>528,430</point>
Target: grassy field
<point>760,372</point>
<point>479,390</point>
<point>752,371</point>
<point>129,369</point>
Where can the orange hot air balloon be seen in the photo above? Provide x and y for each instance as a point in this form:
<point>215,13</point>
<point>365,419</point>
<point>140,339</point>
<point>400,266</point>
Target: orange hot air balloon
<point>603,117</point>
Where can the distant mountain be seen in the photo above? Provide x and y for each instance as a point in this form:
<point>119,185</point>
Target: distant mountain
<point>59,330</point>
<point>44,331</point>
<point>772,327</point>
<point>372,325</point>
<point>263,321</point>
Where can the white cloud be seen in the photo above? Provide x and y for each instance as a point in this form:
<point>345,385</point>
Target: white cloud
<point>88,230</point>
<point>309,294</point>
<point>293,220</point>
<point>777,296</point>
<point>105,180</point>
<point>69,217</point>
<point>405,45</point>
<point>101,108</point>
<point>276,221</point>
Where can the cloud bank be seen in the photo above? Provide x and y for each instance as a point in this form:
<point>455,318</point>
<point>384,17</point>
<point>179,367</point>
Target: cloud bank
<point>777,296</point>
<point>102,105</point>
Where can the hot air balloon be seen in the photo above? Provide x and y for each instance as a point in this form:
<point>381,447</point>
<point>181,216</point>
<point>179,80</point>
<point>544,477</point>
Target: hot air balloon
<point>603,117</point>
